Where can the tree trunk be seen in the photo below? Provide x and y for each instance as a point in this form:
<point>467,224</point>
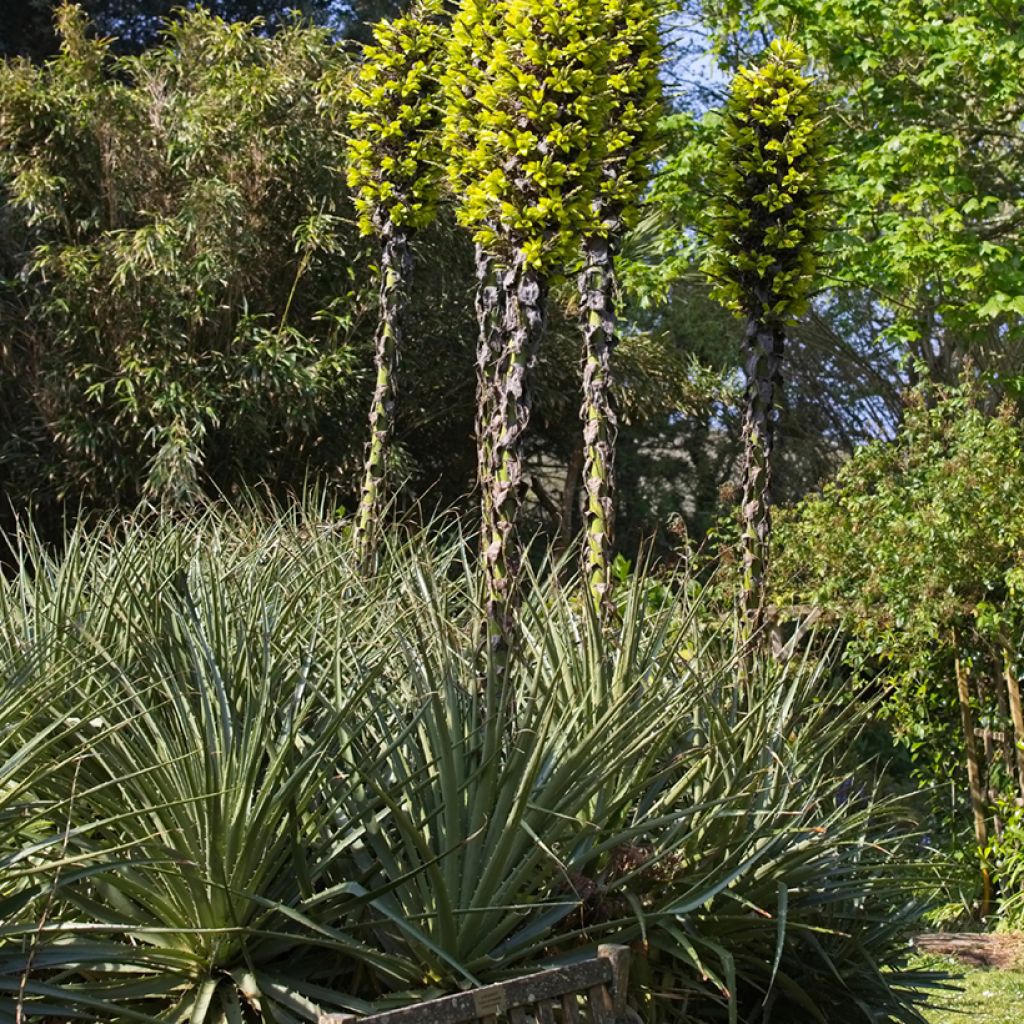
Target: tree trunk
<point>524,296</point>
<point>600,424</point>
<point>973,771</point>
<point>567,523</point>
<point>1016,713</point>
<point>764,347</point>
<point>395,274</point>
<point>1007,753</point>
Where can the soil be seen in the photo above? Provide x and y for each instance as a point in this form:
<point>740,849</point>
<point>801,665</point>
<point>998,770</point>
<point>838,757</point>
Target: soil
<point>978,949</point>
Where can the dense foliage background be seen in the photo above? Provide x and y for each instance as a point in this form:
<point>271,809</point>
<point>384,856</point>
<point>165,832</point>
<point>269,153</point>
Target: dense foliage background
<point>187,311</point>
<point>138,226</point>
<point>188,307</point>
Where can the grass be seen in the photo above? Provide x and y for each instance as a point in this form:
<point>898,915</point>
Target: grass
<point>986,996</point>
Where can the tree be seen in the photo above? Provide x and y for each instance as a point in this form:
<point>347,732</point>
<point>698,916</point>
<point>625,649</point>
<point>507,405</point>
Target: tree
<point>27,26</point>
<point>635,96</point>
<point>394,170</point>
<point>177,297</point>
<point>765,227</point>
<point>525,103</point>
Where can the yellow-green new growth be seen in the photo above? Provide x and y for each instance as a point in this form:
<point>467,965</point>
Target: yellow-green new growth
<point>765,228</point>
<point>765,220</point>
<point>525,105</point>
<point>634,105</point>
<point>393,163</point>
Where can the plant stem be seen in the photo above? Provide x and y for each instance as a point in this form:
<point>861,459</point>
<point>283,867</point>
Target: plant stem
<point>490,309</point>
<point>395,273</point>
<point>764,345</point>
<point>600,424</point>
<point>1016,713</point>
<point>973,771</point>
<point>524,297</point>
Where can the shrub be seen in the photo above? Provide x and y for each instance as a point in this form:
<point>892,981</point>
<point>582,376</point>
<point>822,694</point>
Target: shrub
<point>915,548</point>
<point>295,787</point>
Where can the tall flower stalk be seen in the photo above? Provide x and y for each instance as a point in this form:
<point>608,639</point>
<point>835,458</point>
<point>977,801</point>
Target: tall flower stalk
<point>762,261</point>
<point>525,104</point>
<point>634,103</point>
<point>395,174</point>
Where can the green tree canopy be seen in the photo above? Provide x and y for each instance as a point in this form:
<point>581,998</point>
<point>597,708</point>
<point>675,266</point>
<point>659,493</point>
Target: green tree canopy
<point>929,169</point>
<point>27,26</point>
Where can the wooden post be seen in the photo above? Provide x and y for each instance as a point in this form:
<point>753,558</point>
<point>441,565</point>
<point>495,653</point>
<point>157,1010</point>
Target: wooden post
<point>1004,736</point>
<point>988,740</point>
<point>618,957</point>
<point>973,770</point>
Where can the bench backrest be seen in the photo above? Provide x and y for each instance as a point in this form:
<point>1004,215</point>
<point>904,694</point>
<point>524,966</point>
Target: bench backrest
<point>591,992</point>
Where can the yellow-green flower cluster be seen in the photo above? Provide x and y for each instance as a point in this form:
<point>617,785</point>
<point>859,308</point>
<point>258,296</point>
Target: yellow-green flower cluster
<point>393,161</point>
<point>765,222</point>
<point>635,102</point>
<point>526,105</point>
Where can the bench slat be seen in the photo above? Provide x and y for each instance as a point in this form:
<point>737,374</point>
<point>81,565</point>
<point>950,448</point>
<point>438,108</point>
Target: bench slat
<point>463,1007</point>
<point>570,1009</point>
<point>600,1004</point>
<point>603,979</point>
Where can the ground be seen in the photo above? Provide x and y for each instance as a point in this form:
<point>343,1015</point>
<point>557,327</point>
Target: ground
<point>990,971</point>
<point>977,949</point>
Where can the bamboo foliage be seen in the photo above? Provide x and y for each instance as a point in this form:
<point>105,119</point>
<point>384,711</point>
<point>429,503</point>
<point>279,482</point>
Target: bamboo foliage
<point>394,174</point>
<point>173,225</point>
<point>765,226</point>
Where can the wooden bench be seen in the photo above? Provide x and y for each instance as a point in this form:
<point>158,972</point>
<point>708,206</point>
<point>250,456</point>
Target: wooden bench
<point>591,992</point>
